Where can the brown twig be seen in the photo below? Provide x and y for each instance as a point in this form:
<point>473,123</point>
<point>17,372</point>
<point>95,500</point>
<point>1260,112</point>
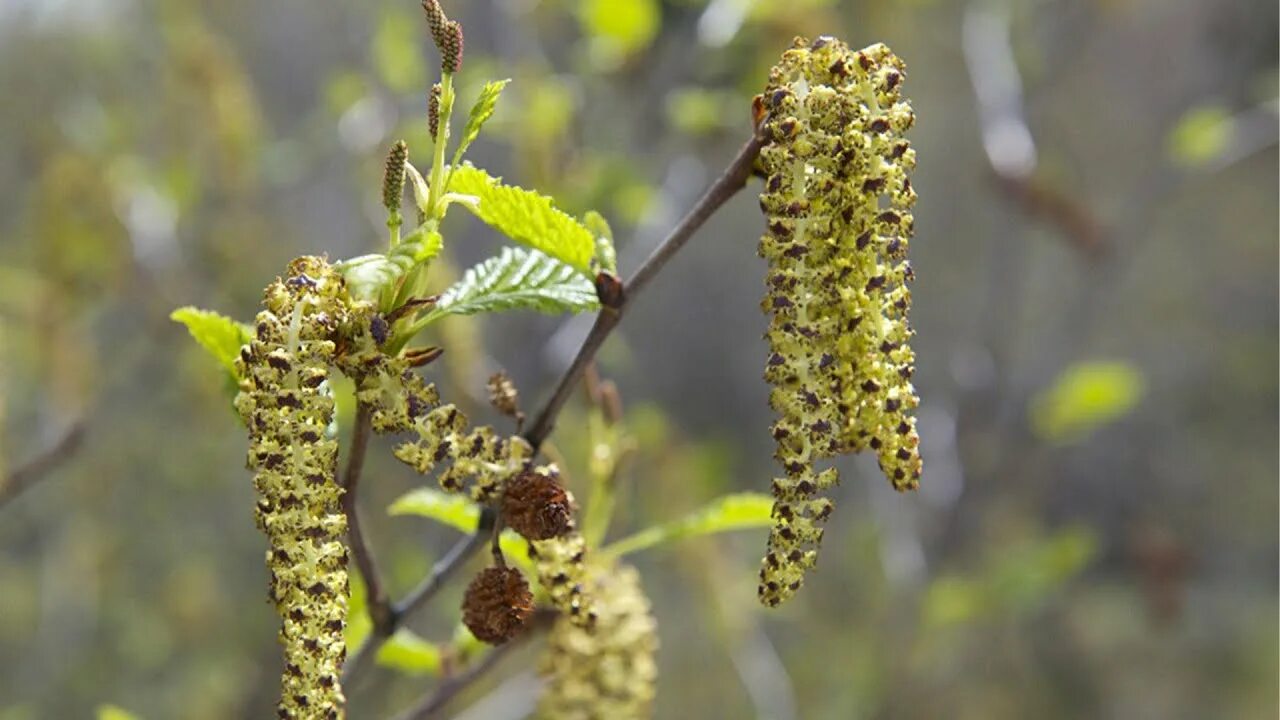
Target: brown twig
<point>726,186</point>
<point>431,704</point>
<point>38,467</point>
<point>379,605</point>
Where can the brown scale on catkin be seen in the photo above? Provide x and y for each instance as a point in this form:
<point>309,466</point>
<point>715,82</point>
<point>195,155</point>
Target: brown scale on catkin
<point>285,404</point>
<point>607,672</point>
<point>837,202</point>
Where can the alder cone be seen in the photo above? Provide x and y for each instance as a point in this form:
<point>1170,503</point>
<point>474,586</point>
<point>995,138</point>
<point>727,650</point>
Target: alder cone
<point>497,605</point>
<point>536,506</point>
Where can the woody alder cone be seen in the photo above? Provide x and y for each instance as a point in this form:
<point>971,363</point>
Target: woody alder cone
<point>497,605</point>
<point>535,506</point>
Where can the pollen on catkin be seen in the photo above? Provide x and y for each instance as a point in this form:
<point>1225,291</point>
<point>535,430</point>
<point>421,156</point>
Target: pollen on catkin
<point>608,672</point>
<point>837,203</point>
<point>285,403</point>
<point>561,564</point>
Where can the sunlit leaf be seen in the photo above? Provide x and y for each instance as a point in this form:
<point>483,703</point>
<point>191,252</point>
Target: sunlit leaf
<point>480,113</point>
<point>740,511</point>
<point>1201,135</point>
<point>410,654</point>
<point>1083,398</point>
<point>526,217</point>
<point>113,712</point>
<point>625,26</point>
<point>456,511</point>
<point>517,279</point>
<point>219,335</point>
<point>369,275</point>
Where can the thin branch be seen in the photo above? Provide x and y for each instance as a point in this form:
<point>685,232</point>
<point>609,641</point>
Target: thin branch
<point>725,187</point>
<point>380,611</point>
<point>440,574</point>
<point>38,467</point>
<point>431,705</point>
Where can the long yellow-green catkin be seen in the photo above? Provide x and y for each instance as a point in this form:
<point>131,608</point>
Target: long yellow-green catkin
<point>837,200</point>
<point>608,672</point>
<point>285,404</point>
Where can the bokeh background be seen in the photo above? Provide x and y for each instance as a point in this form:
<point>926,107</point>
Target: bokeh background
<point>1096,307</point>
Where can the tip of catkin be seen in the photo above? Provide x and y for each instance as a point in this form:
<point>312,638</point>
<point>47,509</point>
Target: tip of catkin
<point>393,176</point>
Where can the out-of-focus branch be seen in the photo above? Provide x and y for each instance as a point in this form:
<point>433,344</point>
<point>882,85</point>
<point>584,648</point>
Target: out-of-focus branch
<point>380,611</point>
<point>38,467</point>
<point>1006,137</point>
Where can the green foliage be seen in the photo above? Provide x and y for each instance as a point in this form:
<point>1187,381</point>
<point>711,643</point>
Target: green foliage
<point>371,276</point>
<point>411,654</point>
<point>739,511</point>
<point>606,258</point>
<point>517,279</point>
<point>526,217</point>
<point>113,712</point>
<point>620,27</point>
<point>1201,135</point>
<point>1084,397</point>
<point>480,113</point>
<point>219,335</point>
<point>455,511</point>
<point>395,49</point>
<point>1017,580</point>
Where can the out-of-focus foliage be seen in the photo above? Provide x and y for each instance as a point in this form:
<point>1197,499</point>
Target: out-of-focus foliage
<point>1084,397</point>
<point>163,154</point>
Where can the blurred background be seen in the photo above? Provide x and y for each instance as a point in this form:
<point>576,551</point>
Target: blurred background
<point>1096,307</point>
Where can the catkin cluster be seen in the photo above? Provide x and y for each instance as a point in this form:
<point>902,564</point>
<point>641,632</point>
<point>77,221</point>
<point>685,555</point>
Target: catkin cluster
<point>837,201</point>
<point>285,403</point>
<point>608,672</point>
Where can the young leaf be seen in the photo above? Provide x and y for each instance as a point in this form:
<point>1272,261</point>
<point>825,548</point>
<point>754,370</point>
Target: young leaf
<point>219,335</point>
<point>453,510</point>
<point>517,279</point>
<point>368,275</point>
<point>480,113</point>
<point>409,653</point>
<point>606,258</point>
<point>739,511</point>
<point>526,217</point>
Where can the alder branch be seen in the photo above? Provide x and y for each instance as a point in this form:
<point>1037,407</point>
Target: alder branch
<point>38,467</point>
<point>733,179</point>
<point>379,606</point>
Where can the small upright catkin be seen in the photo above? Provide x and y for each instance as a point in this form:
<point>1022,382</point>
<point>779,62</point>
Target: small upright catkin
<point>837,202</point>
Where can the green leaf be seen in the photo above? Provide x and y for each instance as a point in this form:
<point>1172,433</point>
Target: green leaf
<point>526,217</point>
<point>517,279</point>
<point>625,26</point>
<point>221,336</point>
<point>480,113</point>
<point>739,511</point>
<point>368,276</point>
<point>113,712</point>
<point>456,511</point>
<point>410,654</point>
<point>1201,135</point>
<point>1083,398</point>
<point>605,258</point>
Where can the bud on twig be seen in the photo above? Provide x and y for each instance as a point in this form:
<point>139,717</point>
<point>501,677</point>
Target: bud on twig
<point>497,605</point>
<point>433,110</point>
<point>393,176</point>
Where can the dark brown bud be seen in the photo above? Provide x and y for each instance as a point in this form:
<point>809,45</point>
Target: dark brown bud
<point>497,605</point>
<point>393,176</point>
<point>503,395</point>
<point>609,289</point>
<point>536,506</point>
<point>418,357</point>
<point>433,110</point>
